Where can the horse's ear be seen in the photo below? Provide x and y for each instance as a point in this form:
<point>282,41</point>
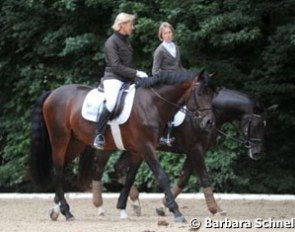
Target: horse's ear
<point>201,74</point>
<point>272,107</point>
<point>202,71</point>
<point>214,74</point>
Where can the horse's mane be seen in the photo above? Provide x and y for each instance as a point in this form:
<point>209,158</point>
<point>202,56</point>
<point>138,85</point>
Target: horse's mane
<point>243,97</point>
<point>166,77</point>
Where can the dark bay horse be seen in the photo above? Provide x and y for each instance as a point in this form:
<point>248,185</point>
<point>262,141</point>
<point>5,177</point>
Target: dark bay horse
<point>59,133</point>
<point>228,105</point>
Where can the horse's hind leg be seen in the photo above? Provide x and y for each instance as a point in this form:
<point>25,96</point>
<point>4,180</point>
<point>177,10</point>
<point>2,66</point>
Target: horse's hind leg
<point>121,167</point>
<point>134,164</point>
<point>59,145</point>
<point>61,204</point>
<point>59,198</point>
<point>100,160</point>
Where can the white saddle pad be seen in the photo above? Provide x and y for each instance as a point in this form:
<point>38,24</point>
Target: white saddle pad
<point>95,98</point>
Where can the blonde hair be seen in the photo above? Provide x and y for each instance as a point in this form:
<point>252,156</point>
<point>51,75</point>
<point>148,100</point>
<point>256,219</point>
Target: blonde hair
<point>122,18</point>
<point>161,28</point>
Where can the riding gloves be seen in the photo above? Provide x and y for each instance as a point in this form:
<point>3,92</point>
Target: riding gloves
<point>141,74</point>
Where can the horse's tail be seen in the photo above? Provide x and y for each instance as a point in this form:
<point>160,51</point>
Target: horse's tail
<point>85,168</point>
<point>41,151</point>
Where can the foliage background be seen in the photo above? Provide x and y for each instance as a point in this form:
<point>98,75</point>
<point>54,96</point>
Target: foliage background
<point>250,43</point>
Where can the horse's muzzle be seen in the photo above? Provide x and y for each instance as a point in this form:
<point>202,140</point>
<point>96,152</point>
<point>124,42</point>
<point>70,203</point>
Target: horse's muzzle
<point>207,123</point>
<point>255,153</point>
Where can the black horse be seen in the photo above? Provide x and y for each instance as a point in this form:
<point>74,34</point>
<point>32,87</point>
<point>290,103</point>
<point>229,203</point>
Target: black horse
<point>228,105</point>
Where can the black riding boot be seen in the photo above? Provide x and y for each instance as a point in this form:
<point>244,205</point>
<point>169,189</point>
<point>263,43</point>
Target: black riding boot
<point>168,140</point>
<point>101,126</point>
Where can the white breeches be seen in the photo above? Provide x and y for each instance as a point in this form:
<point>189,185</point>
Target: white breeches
<point>111,91</point>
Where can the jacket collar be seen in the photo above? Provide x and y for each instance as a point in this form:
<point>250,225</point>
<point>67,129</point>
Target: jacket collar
<point>121,36</point>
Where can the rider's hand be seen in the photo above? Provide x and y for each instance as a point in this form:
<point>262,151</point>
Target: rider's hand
<point>141,74</point>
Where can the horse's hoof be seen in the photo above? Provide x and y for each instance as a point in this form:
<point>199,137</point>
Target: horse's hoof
<point>180,219</point>
<point>100,211</point>
<point>70,217</point>
<point>160,211</point>
<point>54,215</point>
<point>123,214</point>
<point>218,211</point>
<point>222,213</point>
<point>136,209</point>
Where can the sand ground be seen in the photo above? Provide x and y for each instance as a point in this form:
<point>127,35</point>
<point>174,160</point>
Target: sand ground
<point>32,215</point>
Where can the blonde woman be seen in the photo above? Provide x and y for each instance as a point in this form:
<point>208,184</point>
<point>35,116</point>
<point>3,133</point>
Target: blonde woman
<point>167,54</point>
<point>167,58</point>
<point>119,69</point>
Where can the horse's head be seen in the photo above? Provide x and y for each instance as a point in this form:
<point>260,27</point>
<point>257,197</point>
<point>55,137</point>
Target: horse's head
<point>253,127</point>
<point>200,101</point>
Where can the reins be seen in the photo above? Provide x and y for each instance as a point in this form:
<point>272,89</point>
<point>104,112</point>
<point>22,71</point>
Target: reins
<point>241,141</point>
<point>181,108</point>
<point>165,100</point>
<point>247,141</point>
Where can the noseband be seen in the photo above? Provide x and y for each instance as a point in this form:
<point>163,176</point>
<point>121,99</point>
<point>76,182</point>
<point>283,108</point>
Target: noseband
<point>248,141</point>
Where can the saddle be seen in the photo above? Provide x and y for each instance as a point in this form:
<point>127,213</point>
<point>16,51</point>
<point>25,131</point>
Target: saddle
<point>120,99</point>
<point>95,98</point>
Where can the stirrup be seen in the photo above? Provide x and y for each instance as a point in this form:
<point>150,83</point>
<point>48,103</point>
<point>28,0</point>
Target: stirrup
<point>166,141</point>
<point>99,142</point>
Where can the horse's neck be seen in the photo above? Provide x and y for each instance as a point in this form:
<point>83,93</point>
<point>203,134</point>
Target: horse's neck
<point>175,92</point>
<point>173,97</point>
<point>230,105</point>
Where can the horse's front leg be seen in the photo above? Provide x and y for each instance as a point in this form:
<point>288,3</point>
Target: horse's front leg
<point>135,163</point>
<point>163,180</point>
<point>197,160</point>
<point>184,176</point>
<point>100,160</point>
<point>59,199</point>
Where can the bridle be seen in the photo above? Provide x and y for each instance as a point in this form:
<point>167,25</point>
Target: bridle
<point>248,141</point>
<point>194,112</point>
